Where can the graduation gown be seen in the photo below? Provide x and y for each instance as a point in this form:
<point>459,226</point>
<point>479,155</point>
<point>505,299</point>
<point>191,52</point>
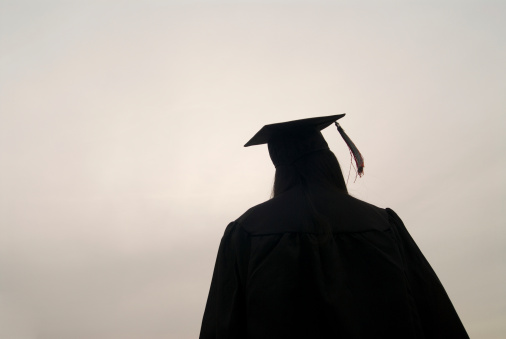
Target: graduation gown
<point>274,278</point>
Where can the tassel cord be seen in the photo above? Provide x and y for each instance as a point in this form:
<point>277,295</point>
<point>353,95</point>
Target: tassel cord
<point>359,160</point>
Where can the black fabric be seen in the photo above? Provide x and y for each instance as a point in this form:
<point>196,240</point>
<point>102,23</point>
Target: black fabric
<point>274,278</point>
<point>293,128</point>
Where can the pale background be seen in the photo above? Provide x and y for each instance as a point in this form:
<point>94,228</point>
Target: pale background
<point>121,158</point>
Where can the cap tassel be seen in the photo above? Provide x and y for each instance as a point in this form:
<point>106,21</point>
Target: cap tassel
<point>359,160</point>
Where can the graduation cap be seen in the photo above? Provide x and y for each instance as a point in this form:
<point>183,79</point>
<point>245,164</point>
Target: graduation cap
<point>292,140</point>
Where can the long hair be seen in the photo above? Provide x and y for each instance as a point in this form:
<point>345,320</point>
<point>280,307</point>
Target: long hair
<point>320,168</point>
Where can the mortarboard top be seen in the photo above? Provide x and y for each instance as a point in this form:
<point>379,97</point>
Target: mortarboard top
<point>292,128</point>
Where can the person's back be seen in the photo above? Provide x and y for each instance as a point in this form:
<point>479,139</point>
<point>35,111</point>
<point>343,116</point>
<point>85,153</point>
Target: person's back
<point>314,262</point>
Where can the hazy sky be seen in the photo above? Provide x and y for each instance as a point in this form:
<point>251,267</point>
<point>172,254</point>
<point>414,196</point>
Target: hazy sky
<point>121,159</point>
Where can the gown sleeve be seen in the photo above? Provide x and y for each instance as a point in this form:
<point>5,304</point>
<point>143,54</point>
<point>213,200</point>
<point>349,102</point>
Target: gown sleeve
<point>436,313</point>
<point>225,312</point>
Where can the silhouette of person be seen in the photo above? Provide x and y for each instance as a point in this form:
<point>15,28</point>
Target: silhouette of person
<point>314,262</point>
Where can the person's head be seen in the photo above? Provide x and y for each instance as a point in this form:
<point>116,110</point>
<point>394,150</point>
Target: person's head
<point>301,155</point>
<point>317,168</point>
